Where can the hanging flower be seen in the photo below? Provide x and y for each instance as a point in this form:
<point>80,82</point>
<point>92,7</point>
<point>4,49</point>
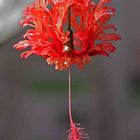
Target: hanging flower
<point>48,36</point>
<point>66,32</point>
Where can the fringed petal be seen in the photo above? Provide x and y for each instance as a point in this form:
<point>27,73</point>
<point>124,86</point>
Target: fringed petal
<point>47,38</point>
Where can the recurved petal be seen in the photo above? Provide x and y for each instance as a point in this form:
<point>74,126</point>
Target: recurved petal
<point>103,12</point>
<point>107,46</point>
<point>101,3</point>
<point>109,37</point>
<point>98,52</point>
<point>109,26</point>
<point>21,45</point>
<point>26,54</point>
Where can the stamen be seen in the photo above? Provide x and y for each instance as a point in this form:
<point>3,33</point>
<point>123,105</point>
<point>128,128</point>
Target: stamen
<point>69,43</point>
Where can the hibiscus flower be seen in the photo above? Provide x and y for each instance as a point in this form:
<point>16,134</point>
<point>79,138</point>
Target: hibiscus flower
<point>50,36</point>
<point>67,32</point>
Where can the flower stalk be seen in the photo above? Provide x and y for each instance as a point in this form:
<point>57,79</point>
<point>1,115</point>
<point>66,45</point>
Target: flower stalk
<point>70,101</point>
<point>75,132</point>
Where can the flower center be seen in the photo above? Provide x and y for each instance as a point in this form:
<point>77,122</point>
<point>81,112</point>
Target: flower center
<point>68,46</point>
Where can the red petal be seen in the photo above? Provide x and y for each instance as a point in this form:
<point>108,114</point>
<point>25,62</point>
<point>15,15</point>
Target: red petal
<point>21,45</point>
<point>101,3</point>
<point>109,37</point>
<point>98,52</point>
<point>110,26</point>
<point>107,46</point>
<point>27,54</point>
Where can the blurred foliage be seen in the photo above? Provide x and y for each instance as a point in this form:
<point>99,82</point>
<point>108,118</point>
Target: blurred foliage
<point>42,87</point>
<point>135,90</point>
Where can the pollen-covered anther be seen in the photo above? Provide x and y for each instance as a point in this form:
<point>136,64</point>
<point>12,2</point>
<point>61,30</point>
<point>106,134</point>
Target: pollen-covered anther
<point>67,49</point>
<point>66,63</point>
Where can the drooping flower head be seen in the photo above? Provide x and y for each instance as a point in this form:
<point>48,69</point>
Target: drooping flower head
<point>66,32</point>
<point>49,37</point>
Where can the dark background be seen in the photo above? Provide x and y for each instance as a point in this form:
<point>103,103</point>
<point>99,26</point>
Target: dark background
<point>106,94</point>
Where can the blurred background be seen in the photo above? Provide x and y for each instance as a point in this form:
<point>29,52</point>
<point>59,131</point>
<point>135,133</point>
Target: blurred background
<point>106,94</point>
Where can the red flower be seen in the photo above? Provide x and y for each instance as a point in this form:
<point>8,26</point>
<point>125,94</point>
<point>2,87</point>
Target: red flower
<point>48,37</point>
<point>67,32</point>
